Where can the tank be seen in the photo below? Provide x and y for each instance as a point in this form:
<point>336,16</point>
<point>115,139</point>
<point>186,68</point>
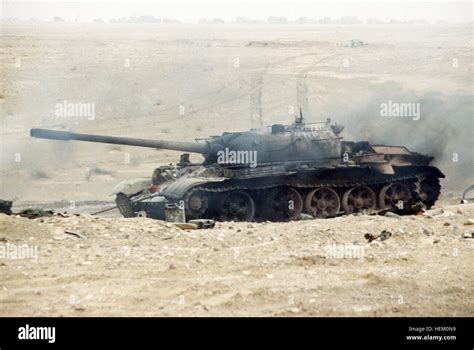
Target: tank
<point>276,173</point>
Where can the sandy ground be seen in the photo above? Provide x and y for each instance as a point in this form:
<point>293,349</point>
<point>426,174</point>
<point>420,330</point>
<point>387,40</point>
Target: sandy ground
<point>139,77</point>
<point>316,267</point>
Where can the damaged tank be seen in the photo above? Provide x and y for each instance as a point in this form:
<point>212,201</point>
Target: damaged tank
<point>276,173</point>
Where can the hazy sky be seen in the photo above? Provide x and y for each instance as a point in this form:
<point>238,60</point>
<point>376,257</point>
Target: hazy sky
<point>192,11</point>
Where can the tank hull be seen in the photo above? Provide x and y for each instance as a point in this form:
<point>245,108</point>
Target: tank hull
<point>321,193</point>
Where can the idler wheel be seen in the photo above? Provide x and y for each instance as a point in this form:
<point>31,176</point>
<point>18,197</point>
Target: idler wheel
<point>125,206</point>
<point>322,202</point>
<point>358,199</point>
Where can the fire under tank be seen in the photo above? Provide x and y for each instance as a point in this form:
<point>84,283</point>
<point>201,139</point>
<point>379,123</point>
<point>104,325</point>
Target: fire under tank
<point>276,173</point>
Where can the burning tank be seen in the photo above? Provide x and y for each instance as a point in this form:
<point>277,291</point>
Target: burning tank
<point>275,174</point>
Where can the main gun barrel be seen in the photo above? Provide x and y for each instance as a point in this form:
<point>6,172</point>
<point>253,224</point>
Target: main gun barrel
<point>193,147</point>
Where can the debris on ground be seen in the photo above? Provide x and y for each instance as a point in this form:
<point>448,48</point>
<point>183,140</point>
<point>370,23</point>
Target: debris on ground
<point>75,234</point>
<point>355,43</point>
<point>390,214</point>
<point>5,207</point>
<point>203,223</point>
<point>384,235</point>
<point>197,224</point>
<point>304,216</point>
<point>35,213</point>
<point>468,235</point>
<point>464,199</point>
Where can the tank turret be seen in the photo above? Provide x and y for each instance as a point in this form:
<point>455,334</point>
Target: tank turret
<point>275,144</point>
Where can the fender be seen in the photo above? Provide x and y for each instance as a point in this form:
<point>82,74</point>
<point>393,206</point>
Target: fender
<point>133,186</point>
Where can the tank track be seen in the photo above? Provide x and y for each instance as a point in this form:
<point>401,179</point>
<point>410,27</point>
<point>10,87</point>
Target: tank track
<point>423,185</point>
